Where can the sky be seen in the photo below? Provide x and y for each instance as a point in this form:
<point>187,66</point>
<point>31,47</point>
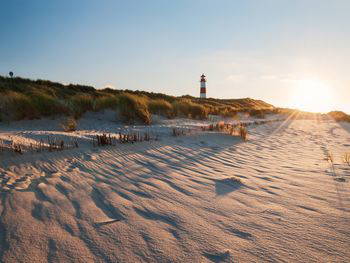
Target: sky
<point>291,53</point>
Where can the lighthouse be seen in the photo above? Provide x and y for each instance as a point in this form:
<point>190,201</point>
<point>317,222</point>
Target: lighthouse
<point>203,91</point>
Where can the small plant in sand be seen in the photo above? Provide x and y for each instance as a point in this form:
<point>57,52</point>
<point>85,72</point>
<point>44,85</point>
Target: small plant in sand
<point>17,148</point>
<point>104,139</point>
<point>233,180</point>
<point>180,132</point>
<point>346,158</point>
<point>243,132</point>
<point>330,157</point>
<point>69,124</point>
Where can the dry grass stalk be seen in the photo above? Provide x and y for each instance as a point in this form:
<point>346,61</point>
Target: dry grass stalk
<point>180,132</point>
<point>130,137</point>
<point>243,132</point>
<point>346,158</point>
<point>69,124</point>
<point>52,144</point>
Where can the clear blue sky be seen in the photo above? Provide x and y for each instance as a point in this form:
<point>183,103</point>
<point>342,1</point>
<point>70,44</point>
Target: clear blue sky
<point>248,48</point>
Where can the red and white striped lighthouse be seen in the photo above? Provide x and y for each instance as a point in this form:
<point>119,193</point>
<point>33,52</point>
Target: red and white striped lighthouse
<point>203,92</point>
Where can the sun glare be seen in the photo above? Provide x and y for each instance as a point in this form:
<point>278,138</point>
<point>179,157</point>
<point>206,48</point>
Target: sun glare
<point>312,95</point>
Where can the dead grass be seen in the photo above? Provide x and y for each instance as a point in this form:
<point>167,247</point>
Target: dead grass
<point>180,132</point>
<point>346,158</point>
<point>243,132</point>
<point>130,137</point>
<point>69,124</point>
<point>50,144</point>
<point>339,116</point>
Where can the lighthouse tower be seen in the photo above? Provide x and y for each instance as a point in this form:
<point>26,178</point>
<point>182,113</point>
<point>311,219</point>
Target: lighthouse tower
<point>203,92</point>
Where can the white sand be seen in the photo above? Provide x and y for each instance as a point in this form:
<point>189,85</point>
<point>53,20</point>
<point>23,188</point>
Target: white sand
<point>168,201</point>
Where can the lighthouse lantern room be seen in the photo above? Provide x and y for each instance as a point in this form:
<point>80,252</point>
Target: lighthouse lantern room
<point>203,90</point>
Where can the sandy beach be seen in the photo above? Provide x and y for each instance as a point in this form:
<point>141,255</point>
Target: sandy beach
<point>203,197</point>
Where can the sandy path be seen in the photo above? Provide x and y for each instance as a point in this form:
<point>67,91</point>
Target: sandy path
<point>166,201</point>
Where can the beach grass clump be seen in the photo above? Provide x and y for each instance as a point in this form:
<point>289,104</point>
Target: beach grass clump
<point>133,108</point>
<point>187,108</point>
<point>18,106</point>
<point>69,124</point>
<point>181,107</point>
<point>339,116</point>
<point>160,107</point>
<point>346,158</point>
<point>81,103</point>
<point>330,157</point>
<point>106,102</point>
<point>260,114</point>
<point>198,111</point>
<point>180,132</point>
<point>233,181</point>
<point>226,111</point>
<point>47,105</point>
<point>243,132</point>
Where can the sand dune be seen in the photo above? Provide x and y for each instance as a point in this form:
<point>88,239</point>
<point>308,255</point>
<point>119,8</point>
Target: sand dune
<point>206,197</point>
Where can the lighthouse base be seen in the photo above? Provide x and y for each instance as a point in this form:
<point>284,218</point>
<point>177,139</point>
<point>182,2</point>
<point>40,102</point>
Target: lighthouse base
<point>203,95</point>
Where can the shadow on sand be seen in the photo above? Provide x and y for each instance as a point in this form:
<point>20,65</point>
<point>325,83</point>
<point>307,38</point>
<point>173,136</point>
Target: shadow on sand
<point>227,185</point>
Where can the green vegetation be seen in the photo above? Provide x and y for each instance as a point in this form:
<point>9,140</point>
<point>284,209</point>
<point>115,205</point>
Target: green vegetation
<point>29,99</point>
<point>189,109</point>
<point>339,116</point>
<point>133,107</point>
<point>160,107</point>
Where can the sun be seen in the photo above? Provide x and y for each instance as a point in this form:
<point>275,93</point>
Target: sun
<point>312,95</point>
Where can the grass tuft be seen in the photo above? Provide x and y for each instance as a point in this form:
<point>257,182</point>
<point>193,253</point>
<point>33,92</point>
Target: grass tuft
<point>346,158</point>
<point>160,107</point>
<point>133,108</point>
<point>69,124</point>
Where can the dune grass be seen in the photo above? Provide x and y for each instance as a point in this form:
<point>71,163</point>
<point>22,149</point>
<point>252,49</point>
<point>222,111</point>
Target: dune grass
<point>18,106</point>
<point>187,108</point>
<point>69,124</point>
<point>133,108</point>
<point>339,116</point>
<point>108,101</point>
<point>30,99</point>
<point>160,107</point>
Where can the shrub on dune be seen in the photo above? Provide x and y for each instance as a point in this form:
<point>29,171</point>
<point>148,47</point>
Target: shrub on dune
<point>260,114</point>
<point>132,108</point>
<point>69,124</point>
<point>187,108</point>
<point>160,106</point>
<point>18,106</point>
<point>226,111</point>
<point>181,107</point>
<point>81,103</point>
<point>243,132</point>
<point>339,116</point>
<point>105,102</point>
<point>198,111</point>
<point>47,105</point>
